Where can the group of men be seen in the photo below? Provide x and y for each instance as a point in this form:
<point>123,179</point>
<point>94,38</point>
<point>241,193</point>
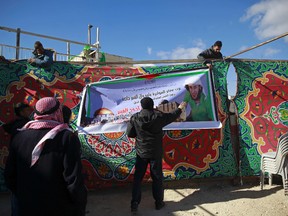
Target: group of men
<point>43,169</point>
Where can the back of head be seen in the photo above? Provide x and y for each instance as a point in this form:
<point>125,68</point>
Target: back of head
<point>147,103</point>
<point>48,108</point>
<point>46,105</point>
<point>38,45</point>
<point>19,107</point>
<point>218,43</point>
<point>164,102</point>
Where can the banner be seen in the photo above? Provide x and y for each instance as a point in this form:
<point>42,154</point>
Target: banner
<point>108,105</point>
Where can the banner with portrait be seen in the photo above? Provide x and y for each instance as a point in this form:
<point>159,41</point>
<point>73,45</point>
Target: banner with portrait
<point>108,105</point>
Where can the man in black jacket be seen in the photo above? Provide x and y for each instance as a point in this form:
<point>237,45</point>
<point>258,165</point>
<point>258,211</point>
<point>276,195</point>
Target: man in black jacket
<point>146,127</point>
<point>22,112</point>
<point>44,169</point>
<point>214,52</point>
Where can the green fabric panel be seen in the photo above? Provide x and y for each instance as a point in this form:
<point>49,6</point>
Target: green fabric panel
<point>261,97</point>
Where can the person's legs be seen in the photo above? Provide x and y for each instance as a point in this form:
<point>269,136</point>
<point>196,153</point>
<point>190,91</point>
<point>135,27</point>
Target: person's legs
<point>14,205</point>
<point>140,169</point>
<point>157,185</point>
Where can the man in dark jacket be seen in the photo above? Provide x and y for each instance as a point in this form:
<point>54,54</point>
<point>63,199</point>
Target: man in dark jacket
<point>41,57</point>
<point>43,169</point>
<point>146,126</point>
<point>212,53</point>
<point>22,112</point>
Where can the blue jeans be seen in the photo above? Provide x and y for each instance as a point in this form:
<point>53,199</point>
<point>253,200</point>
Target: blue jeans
<point>156,175</point>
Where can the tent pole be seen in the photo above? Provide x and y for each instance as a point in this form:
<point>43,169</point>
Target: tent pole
<point>258,45</point>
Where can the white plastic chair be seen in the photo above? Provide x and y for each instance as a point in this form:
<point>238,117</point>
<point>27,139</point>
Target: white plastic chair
<point>276,163</point>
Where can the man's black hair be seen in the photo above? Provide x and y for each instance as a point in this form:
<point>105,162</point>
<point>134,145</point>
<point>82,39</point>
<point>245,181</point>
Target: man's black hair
<point>147,103</point>
<point>218,43</point>
<point>19,107</point>
<point>38,44</point>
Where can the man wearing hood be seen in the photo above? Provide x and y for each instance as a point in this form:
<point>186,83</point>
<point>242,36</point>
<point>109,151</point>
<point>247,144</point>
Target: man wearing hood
<point>146,127</point>
<point>214,52</point>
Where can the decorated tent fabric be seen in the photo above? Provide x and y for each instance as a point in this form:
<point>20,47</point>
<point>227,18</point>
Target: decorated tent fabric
<point>262,107</point>
<point>109,158</point>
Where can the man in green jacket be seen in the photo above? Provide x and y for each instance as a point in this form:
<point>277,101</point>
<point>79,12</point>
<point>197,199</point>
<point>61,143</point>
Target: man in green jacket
<point>200,104</point>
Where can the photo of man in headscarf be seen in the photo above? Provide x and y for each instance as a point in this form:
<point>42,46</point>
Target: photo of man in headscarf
<point>200,104</point>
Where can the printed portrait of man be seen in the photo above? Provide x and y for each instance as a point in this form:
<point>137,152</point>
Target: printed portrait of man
<point>200,104</point>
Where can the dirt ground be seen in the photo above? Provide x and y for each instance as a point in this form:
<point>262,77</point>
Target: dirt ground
<point>187,198</point>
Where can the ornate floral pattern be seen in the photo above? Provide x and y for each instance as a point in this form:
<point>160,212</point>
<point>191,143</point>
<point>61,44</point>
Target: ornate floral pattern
<point>109,158</point>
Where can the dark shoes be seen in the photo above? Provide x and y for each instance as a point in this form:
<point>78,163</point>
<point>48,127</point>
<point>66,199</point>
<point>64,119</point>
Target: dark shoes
<point>134,206</point>
<point>159,205</point>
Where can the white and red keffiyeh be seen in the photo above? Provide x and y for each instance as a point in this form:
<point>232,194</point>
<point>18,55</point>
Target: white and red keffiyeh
<point>48,114</point>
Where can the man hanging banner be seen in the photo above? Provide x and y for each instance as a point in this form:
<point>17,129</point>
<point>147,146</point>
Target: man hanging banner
<point>108,105</point>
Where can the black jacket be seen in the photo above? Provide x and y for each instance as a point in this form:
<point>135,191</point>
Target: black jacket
<point>146,126</point>
<point>209,54</point>
<point>12,126</point>
<point>54,185</point>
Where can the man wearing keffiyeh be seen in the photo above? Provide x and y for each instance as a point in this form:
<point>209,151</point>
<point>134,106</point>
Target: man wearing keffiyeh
<point>43,168</point>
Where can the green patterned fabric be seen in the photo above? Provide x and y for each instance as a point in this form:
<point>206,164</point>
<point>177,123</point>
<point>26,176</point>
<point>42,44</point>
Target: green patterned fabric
<point>108,159</point>
<point>261,102</point>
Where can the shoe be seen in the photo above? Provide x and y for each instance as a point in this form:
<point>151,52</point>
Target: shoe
<point>159,205</point>
<point>134,206</point>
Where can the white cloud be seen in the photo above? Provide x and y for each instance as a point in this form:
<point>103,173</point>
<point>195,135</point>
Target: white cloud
<point>199,43</point>
<point>180,53</point>
<point>268,18</point>
<point>183,53</point>
<point>149,50</point>
<point>163,54</point>
<point>269,52</point>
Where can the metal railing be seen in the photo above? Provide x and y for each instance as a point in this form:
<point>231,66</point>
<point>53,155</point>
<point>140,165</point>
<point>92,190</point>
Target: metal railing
<point>23,52</point>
